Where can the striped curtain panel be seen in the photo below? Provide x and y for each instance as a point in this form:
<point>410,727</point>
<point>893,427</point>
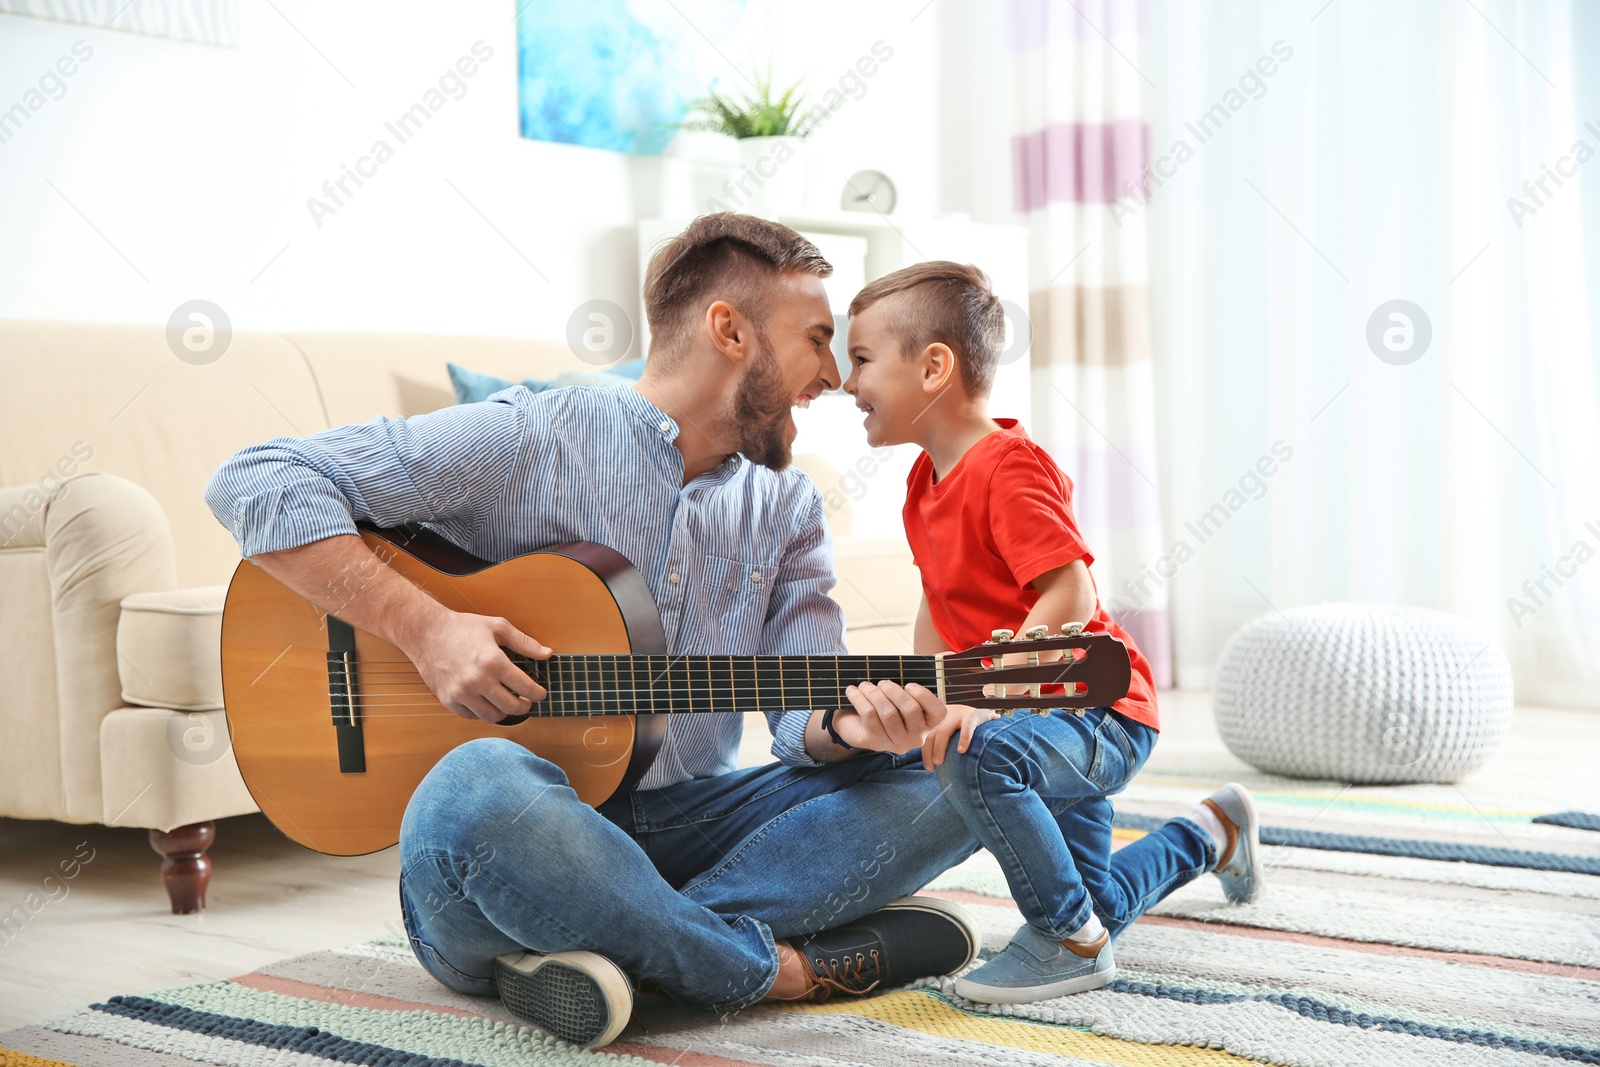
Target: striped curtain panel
<point>1079,148</point>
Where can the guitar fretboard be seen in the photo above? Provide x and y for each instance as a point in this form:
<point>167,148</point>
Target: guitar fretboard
<point>646,685</point>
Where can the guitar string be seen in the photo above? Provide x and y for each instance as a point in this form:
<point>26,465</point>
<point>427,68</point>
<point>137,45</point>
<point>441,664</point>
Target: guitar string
<point>608,713</point>
<point>545,713</point>
<point>948,657</point>
<point>956,694</point>
<point>966,677</point>
<point>735,690</point>
<point>699,658</point>
<point>583,663</point>
<point>698,692</point>
<point>366,665</point>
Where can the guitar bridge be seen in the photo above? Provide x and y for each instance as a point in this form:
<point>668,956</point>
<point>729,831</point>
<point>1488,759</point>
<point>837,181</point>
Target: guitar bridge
<point>342,697</point>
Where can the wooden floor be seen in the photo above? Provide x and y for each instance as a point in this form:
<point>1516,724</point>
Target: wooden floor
<point>108,931</point>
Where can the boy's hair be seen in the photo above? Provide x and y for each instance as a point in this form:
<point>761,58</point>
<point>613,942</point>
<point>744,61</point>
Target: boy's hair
<point>945,303</point>
<point>726,256</point>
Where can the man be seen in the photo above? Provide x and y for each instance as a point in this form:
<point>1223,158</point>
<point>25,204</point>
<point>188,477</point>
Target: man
<point>721,887</point>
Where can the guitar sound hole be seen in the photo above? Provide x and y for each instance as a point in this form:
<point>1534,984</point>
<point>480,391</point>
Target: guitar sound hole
<point>513,720</point>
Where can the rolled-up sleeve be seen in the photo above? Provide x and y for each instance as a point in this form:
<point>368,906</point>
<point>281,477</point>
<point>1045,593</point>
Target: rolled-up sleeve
<point>451,464</point>
<point>802,619</point>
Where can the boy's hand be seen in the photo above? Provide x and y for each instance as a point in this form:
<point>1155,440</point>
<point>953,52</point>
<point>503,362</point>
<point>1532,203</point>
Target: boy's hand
<point>886,717</point>
<point>957,717</point>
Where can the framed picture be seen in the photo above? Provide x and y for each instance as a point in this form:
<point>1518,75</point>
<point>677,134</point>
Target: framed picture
<point>618,75</point>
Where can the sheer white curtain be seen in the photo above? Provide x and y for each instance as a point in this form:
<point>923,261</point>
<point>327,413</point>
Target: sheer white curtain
<point>1311,163</point>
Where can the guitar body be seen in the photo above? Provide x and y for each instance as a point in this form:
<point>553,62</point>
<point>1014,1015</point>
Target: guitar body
<point>276,686</point>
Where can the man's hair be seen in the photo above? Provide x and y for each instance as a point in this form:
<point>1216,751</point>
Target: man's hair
<point>945,303</point>
<point>726,256</point>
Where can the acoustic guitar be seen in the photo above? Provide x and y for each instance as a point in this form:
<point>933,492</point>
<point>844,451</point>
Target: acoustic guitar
<point>333,728</point>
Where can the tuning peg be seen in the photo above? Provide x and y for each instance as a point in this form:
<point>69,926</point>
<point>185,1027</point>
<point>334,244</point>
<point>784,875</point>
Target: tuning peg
<point>1000,637</point>
<point>1036,633</point>
<point>1072,629</point>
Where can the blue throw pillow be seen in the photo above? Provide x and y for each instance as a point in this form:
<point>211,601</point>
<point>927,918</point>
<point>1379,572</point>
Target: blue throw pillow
<point>472,386</point>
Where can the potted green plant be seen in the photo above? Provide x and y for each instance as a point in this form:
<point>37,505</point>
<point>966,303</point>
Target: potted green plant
<point>770,130</point>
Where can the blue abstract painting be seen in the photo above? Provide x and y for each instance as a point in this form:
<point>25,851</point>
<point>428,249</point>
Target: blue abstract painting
<point>617,74</point>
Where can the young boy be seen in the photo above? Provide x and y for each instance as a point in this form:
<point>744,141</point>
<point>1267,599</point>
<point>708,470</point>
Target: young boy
<point>990,524</point>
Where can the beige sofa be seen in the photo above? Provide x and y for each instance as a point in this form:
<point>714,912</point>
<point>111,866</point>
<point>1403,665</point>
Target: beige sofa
<point>113,570</point>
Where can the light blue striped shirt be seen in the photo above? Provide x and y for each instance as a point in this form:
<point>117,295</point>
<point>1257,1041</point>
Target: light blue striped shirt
<point>739,560</point>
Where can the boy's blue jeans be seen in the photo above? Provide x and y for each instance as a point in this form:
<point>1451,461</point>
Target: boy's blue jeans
<point>1034,790</point>
<point>686,886</point>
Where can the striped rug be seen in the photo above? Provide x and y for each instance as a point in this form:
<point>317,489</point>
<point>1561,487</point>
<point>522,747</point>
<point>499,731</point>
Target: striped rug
<point>1367,949</point>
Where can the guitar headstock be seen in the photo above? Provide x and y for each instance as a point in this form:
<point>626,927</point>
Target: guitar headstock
<point>1093,672</point>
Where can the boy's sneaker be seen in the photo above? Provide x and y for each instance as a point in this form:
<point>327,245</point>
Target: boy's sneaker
<point>580,997</point>
<point>1035,966</point>
<point>915,937</point>
<point>1239,866</point>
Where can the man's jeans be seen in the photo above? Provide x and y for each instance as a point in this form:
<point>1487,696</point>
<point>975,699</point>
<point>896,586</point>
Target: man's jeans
<point>1034,790</point>
<point>685,886</point>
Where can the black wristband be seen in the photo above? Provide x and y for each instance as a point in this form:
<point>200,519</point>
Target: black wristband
<point>827,728</point>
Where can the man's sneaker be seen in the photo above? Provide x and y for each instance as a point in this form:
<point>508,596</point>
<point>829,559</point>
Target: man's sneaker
<point>580,997</point>
<point>1035,966</point>
<point>1239,857</point>
<point>915,937</point>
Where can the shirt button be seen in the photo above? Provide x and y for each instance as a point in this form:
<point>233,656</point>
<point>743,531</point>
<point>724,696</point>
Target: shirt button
<point>673,577</point>
<point>755,576</point>
<point>665,425</point>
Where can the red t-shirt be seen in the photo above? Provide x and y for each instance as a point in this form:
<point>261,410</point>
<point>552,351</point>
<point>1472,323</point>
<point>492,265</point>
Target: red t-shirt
<point>1000,518</point>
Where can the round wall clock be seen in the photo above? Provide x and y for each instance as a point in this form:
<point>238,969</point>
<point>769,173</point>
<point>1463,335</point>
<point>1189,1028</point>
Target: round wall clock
<point>869,190</point>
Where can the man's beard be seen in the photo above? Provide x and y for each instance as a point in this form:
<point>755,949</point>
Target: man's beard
<point>760,410</point>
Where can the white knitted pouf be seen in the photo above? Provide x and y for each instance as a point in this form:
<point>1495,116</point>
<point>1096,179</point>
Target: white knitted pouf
<point>1363,693</point>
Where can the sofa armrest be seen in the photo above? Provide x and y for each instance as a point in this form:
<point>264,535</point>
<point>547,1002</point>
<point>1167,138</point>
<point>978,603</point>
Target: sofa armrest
<point>169,648</point>
<point>73,554</point>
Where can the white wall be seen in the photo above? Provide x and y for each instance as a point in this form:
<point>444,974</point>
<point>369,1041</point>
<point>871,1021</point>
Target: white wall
<point>170,171</point>
<point>975,112</point>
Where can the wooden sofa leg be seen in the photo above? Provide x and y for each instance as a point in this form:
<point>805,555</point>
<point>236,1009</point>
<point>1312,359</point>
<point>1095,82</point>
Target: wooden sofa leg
<point>185,867</point>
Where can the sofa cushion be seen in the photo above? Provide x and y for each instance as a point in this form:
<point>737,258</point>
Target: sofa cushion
<point>90,397</point>
<point>169,648</point>
<point>360,375</point>
<point>880,640</point>
<point>878,583</point>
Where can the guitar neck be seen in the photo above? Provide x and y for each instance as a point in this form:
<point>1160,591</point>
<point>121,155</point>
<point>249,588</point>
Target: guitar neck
<point>625,684</point>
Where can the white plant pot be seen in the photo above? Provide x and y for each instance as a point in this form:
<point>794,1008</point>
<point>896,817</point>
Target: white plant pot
<point>703,146</point>
<point>771,179</point>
